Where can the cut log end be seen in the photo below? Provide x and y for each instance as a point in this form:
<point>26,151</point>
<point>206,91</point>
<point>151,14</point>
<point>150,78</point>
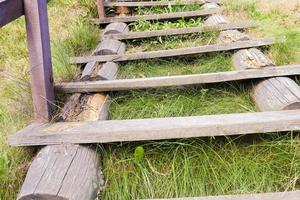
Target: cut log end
<point>275,94</point>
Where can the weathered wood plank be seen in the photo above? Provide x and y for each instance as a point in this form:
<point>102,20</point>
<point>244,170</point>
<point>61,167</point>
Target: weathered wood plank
<point>182,80</point>
<point>175,52</point>
<point>178,31</point>
<point>293,195</point>
<point>151,3</point>
<point>10,10</point>
<point>157,128</point>
<point>154,17</point>
<point>36,18</point>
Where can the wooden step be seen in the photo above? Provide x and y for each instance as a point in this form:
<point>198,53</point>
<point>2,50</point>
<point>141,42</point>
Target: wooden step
<point>182,80</point>
<point>293,195</point>
<point>154,17</point>
<point>151,3</point>
<point>178,31</point>
<point>157,128</point>
<point>175,52</point>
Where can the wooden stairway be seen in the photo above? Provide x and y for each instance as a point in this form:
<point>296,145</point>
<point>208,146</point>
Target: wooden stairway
<point>84,116</point>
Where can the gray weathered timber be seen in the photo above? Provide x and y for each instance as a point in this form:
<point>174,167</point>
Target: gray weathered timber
<point>115,28</point>
<point>178,31</point>
<point>293,195</point>
<point>108,71</point>
<point>110,47</point>
<point>210,6</point>
<point>166,81</point>
<point>36,18</point>
<point>175,52</point>
<point>250,59</point>
<point>165,16</point>
<point>280,93</point>
<point>157,128</point>
<point>63,172</point>
<point>215,20</point>
<point>70,172</point>
<point>151,3</point>
<point>10,10</point>
<point>229,36</point>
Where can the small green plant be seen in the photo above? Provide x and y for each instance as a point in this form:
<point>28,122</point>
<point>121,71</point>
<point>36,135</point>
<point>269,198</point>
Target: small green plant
<point>139,154</point>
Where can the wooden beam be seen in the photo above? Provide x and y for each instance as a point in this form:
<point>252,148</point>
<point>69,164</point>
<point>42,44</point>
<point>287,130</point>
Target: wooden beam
<point>183,80</point>
<point>175,52</point>
<point>293,195</point>
<point>10,10</point>
<point>178,31</point>
<point>40,58</point>
<point>151,3</point>
<point>100,8</point>
<point>157,128</point>
<point>154,17</point>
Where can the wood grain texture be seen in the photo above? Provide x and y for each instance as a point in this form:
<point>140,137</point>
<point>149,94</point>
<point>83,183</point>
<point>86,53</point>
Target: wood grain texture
<point>157,128</point>
<point>280,93</point>
<point>115,28</point>
<point>69,172</point>
<point>293,195</point>
<point>10,10</point>
<point>229,36</point>
<point>210,6</point>
<point>38,38</point>
<point>110,47</point>
<point>182,80</point>
<point>250,59</point>
<point>178,31</point>
<point>151,3</point>
<point>54,175</point>
<point>175,52</point>
<point>155,17</point>
<point>215,20</point>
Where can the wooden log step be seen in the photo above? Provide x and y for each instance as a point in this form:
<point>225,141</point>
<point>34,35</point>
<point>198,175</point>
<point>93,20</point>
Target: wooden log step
<point>229,36</point>
<point>215,20</point>
<point>250,59</point>
<point>110,47</point>
<point>280,93</point>
<point>155,17</point>
<point>175,52</point>
<point>167,81</point>
<point>116,28</point>
<point>63,172</point>
<point>151,3</point>
<point>157,128</point>
<point>210,6</point>
<point>293,195</point>
<point>178,31</point>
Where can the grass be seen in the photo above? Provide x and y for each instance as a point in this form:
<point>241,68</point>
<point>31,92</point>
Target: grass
<point>186,101</point>
<point>202,167</point>
<point>192,167</point>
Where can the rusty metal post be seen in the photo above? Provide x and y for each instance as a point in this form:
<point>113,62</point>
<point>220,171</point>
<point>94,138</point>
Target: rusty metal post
<point>101,10</point>
<point>39,57</point>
